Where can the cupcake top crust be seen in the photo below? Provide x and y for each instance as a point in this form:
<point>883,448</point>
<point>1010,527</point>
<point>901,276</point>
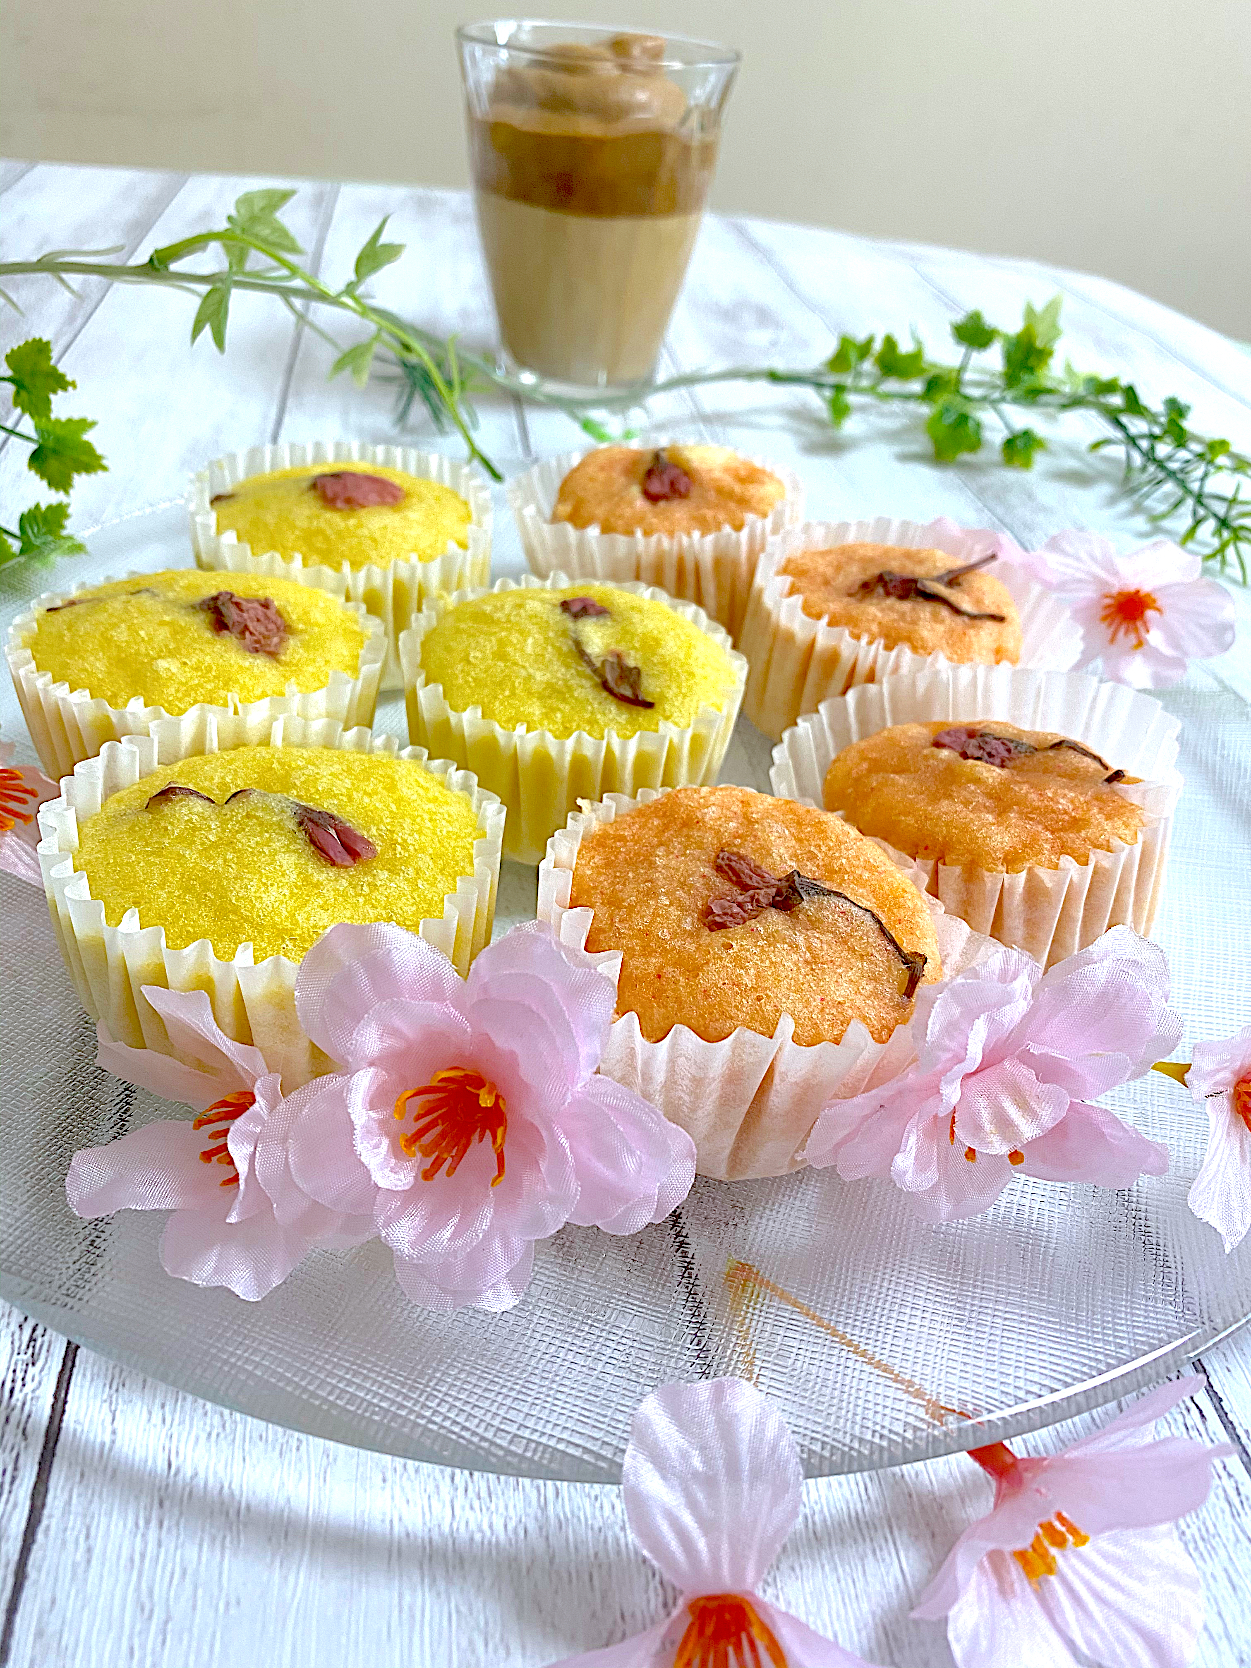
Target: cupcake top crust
<point>182,637</point>
<point>680,489</point>
<point>983,794</point>
<point>583,657</point>
<point>332,513</point>
<point>323,835</point>
<point>925,599</point>
<point>709,894</point>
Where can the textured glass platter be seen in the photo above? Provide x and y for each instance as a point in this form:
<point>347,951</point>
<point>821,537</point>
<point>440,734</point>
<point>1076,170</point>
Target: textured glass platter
<point>883,1338</point>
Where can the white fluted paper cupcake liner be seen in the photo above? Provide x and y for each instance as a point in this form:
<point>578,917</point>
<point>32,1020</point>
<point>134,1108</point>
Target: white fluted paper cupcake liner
<point>68,725</point>
<point>1050,913</point>
<point>394,591</point>
<point>712,569</point>
<point>748,1103</point>
<point>540,777</point>
<point>253,1002</point>
<point>798,662</point>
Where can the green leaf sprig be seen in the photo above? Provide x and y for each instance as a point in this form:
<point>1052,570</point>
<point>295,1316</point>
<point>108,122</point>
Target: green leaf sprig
<point>60,451</point>
<point>1174,474</point>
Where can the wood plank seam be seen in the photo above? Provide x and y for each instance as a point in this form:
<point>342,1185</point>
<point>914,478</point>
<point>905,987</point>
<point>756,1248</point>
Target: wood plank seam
<point>1236,1438</point>
<point>315,259</point>
<point>38,1498</point>
<point>106,289</point>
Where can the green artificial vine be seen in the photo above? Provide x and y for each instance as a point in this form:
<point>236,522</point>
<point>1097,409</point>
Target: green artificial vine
<point>1175,475</point>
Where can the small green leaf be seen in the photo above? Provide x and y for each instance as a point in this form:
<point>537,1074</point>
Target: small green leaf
<point>941,383</point>
<point>256,216</point>
<point>1215,450</point>
<point>63,452</point>
<point>953,429</point>
<point>973,331</point>
<point>8,550</point>
<point>1046,324</point>
<point>1096,387</point>
<point>849,354</point>
<point>1027,354</point>
<point>1131,404</point>
<point>1019,448</point>
<point>596,430</point>
<point>211,315</point>
<point>41,529</point>
<point>375,255</point>
<point>894,363</point>
<point>358,360</point>
<point>1176,408</point>
<point>35,378</point>
<point>839,405</point>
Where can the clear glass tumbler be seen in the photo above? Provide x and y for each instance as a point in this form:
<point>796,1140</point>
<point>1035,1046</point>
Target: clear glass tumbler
<point>592,152</point>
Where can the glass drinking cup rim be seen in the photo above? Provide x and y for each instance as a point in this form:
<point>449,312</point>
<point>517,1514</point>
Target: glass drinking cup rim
<point>485,33</point>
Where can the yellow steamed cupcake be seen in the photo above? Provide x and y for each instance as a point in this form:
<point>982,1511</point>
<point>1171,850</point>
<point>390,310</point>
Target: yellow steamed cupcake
<point>183,637</point>
<point>332,513</point>
<point>328,835</point>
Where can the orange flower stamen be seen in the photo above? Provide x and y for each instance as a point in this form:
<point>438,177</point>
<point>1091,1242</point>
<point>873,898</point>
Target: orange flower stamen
<point>1240,1099</point>
<point>1039,1557</point>
<point>727,1631</point>
<point>1126,611</point>
<point>461,1107</point>
<point>14,794</point>
<point>218,1118</point>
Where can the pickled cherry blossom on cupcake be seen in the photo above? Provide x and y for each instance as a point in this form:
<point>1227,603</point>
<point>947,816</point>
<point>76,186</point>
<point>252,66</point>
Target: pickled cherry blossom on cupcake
<point>711,1486</point>
<point>467,1115</point>
<point>1078,1555</point>
<point>1008,1062</point>
<point>1143,615</point>
<point>217,1174</point>
<point>23,790</point>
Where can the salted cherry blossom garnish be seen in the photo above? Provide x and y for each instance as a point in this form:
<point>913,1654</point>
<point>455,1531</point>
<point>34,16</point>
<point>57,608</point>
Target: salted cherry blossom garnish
<point>22,791</point>
<point>1007,1061</point>
<point>1079,1553</point>
<point>218,1174</point>
<point>467,1116</point>
<point>711,1485</point>
<point>1219,1078</point>
<point>1143,615</point>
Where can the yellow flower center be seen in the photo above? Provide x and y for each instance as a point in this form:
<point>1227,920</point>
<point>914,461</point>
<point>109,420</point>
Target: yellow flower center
<point>727,1631</point>
<point>1039,1557</point>
<point>458,1107</point>
<point>1240,1099</point>
<point>217,1119</point>
<point>1126,611</point>
<point>14,794</point>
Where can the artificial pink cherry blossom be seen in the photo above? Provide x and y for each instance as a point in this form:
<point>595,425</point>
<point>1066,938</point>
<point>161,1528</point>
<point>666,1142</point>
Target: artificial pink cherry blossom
<point>1079,1553</point>
<point>1143,615</point>
<point>23,790</point>
<point>468,1115</point>
<point>1220,1078</point>
<point>225,1229</point>
<point>711,1485</point>
<point>1006,1058</point>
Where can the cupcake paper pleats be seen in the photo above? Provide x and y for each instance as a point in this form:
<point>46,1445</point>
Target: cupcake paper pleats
<point>540,777</point>
<point>750,1101</point>
<point>252,1002</point>
<point>68,725</point>
<point>712,569</point>
<point>1049,913</point>
<point>394,591</point>
<point>798,662</point>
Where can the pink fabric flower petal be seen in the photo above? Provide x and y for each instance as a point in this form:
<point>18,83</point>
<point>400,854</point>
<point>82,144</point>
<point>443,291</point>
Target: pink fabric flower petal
<point>996,1622</point>
<point>493,1279</point>
<point>804,1647</point>
<point>405,1037</point>
<point>308,1167</point>
<point>1221,1193</point>
<point>351,969</point>
<point>154,1168</point>
<point>1217,1066</point>
<point>163,1076</point>
<point>711,1484</point>
<point>1133,1428</point>
<point>1197,619</point>
<point>250,1258</point>
<point>1006,1106</point>
<point>563,984</point>
<point>188,1017</point>
<point>962,1186</point>
<point>17,859</point>
<point>1130,1600</point>
<point>1094,1145</point>
<point>632,1165</point>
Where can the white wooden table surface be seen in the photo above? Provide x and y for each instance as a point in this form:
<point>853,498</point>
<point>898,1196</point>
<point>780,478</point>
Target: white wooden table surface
<point>140,1526</point>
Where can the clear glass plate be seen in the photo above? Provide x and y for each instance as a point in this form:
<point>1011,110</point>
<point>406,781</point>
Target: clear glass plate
<point>881,1337</point>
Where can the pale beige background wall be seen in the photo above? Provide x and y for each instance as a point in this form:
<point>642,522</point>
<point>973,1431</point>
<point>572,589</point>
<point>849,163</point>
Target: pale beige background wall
<point>1109,135</point>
